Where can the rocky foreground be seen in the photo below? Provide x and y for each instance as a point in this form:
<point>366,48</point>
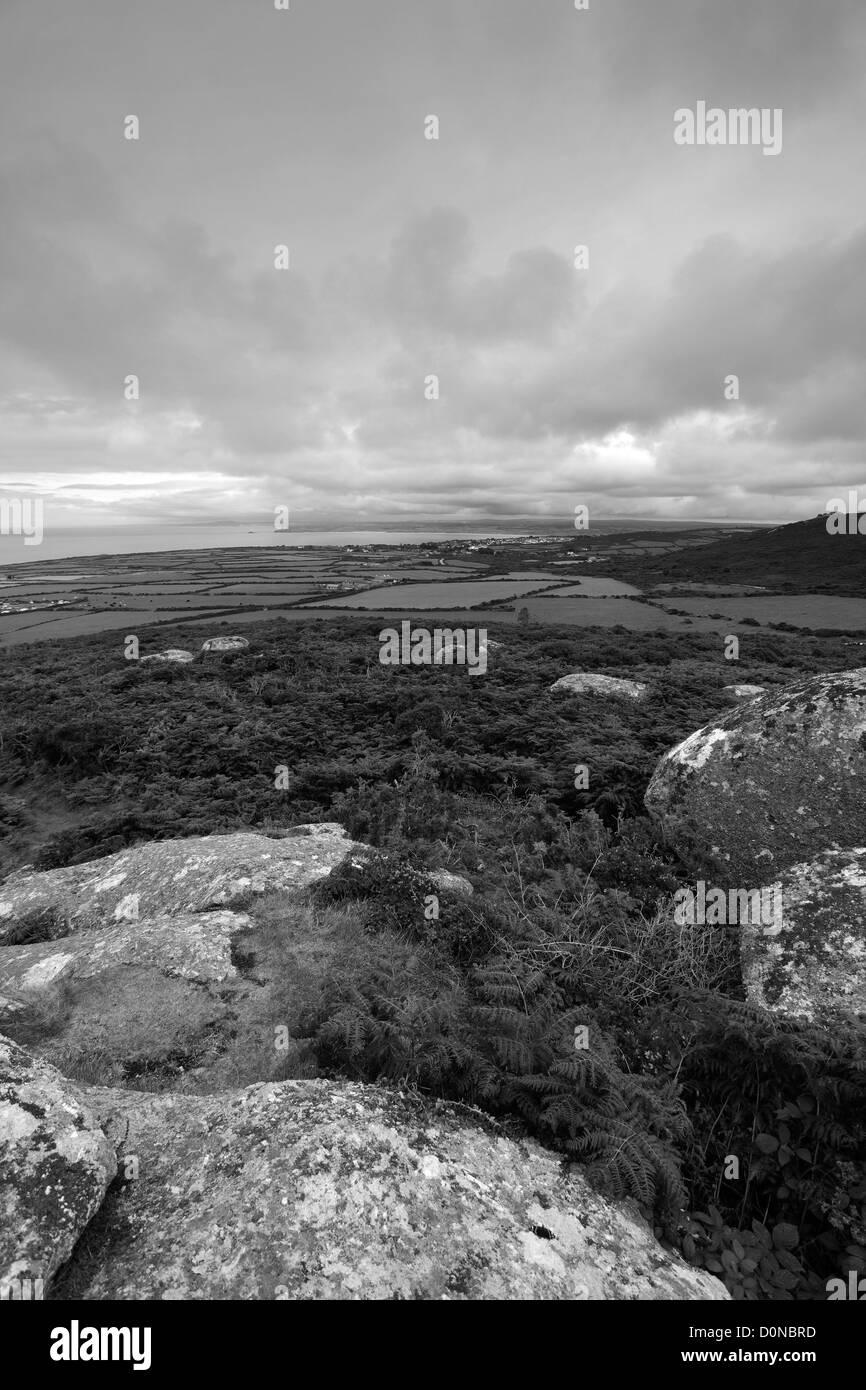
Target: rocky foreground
<point>295,1189</point>
<point>313,1189</point>
<point>310,1190</point>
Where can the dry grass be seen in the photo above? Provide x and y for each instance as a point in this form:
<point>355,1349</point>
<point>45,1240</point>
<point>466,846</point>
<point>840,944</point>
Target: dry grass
<point>43,1015</point>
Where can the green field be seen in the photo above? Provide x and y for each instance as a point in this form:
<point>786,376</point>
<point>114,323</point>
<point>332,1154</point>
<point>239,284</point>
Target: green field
<point>600,612</point>
<point>597,586</point>
<point>800,610</point>
<point>421,596</point>
<point>239,586</point>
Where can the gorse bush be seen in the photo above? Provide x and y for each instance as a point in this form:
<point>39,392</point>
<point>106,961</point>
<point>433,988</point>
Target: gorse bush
<point>390,882</point>
<point>409,900</point>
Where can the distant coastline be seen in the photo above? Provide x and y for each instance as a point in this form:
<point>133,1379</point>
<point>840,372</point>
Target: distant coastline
<point>150,540</point>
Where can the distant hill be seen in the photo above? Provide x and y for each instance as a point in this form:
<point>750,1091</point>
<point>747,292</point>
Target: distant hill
<point>802,557</point>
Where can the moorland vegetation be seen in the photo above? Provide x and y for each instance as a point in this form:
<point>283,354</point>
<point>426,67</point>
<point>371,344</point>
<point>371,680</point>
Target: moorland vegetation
<point>562,992</point>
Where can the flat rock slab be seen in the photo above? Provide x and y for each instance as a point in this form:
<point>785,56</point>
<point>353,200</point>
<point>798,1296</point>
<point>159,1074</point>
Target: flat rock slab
<point>811,962</point>
<point>773,780</point>
<point>163,877</point>
<point>137,998</point>
<point>192,946</point>
<point>585,683</point>
<point>333,1190</point>
<point>225,644</point>
<point>55,1167</point>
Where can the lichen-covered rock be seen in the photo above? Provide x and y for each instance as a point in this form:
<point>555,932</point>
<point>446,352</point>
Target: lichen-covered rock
<point>175,996</point>
<point>175,654</point>
<point>318,828</point>
<point>129,992</point>
<point>772,780</point>
<point>811,961</point>
<point>745,692</point>
<point>11,1008</point>
<point>162,997</point>
<point>191,946</point>
<point>443,881</point>
<point>55,1167</point>
<point>225,644</point>
<point>586,683</point>
<point>163,877</point>
<point>320,1190</point>
<point>33,969</point>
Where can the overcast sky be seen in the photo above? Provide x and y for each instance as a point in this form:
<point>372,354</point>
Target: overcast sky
<point>412,257</point>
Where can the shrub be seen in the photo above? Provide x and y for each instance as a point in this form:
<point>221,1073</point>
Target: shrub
<point>786,1098</point>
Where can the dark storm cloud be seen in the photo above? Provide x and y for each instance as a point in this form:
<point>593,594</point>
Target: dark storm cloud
<point>413,258</point>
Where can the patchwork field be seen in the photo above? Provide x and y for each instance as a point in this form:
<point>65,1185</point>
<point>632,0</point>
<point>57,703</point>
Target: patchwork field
<point>550,575</point>
<point>596,586</point>
<point>462,594</point>
<point>48,599</point>
<point>60,599</point>
<point>800,610</point>
<point>601,612</point>
<point>41,627</point>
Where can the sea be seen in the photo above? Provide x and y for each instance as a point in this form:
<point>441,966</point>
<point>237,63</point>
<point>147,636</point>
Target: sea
<point>65,544</point>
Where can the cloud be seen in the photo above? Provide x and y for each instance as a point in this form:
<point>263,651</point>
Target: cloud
<point>410,260</point>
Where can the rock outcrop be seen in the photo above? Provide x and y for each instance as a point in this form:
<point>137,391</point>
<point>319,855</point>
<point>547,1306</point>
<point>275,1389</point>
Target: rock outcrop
<point>190,946</point>
<point>811,962</point>
<point>55,1167</point>
<point>745,692</point>
<point>443,881</point>
<point>585,683</point>
<point>164,877</point>
<point>175,654</point>
<point>129,966</point>
<point>772,781</point>
<point>225,644</point>
<point>161,997</point>
<point>323,1190</point>
<point>133,970</point>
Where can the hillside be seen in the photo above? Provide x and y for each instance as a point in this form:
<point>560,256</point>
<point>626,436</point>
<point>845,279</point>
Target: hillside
<point>799,558</point>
